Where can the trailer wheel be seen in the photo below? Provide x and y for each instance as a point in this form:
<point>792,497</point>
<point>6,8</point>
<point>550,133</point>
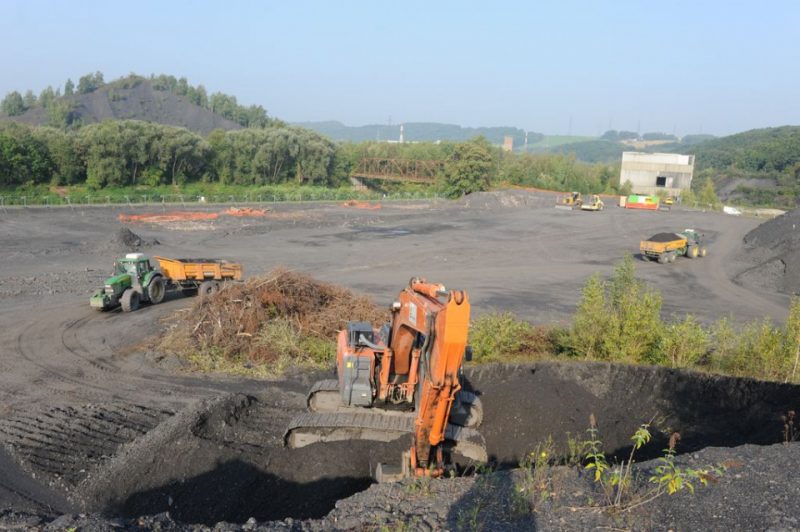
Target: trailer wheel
<point>207,288</point>
<point>671,257</point>
<point>130,300</point>
<point>156,290</point>
<point>662,259</point>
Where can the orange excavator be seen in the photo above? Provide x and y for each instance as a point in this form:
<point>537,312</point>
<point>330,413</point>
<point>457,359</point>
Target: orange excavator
<point>404,377</point>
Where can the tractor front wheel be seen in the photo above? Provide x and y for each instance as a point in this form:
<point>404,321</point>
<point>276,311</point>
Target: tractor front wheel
<point>703,251</point>
<point>156,290</point>
<point>129,300</point>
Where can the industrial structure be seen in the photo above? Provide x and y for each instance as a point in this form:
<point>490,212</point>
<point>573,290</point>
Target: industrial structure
<point>650,173</point>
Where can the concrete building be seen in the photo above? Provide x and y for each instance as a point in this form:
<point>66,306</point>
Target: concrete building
<point>650,173</point>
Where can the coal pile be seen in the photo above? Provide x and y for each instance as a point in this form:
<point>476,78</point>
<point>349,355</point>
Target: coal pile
<point>772,253</point>
<point>126,239</point>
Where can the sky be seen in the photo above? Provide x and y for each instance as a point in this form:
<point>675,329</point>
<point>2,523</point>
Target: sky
<point>564,67</point>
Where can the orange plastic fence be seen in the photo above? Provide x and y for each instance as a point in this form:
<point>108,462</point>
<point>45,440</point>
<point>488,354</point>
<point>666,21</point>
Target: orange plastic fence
<point>362,205</point>
<point>175,216</point>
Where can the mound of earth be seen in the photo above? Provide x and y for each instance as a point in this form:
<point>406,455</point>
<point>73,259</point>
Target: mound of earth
<point>138,102</point>
<point>125,239</point>
<point>772,251</point>
<point>505,199</point>
<point>254,319</point>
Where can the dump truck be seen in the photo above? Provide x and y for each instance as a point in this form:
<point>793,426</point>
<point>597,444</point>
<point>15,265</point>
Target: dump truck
<point>666,247</point>
<point>573,201</point>
<point>203,275</point>
<point>136,280</point>
<point>594,204</point>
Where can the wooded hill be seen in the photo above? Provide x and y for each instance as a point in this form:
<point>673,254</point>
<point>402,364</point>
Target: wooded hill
<point>161,99</point>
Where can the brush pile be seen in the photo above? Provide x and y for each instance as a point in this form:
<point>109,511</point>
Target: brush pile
<point>271,322</point>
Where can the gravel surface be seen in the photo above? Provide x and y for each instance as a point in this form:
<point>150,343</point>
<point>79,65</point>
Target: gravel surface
<point>91,420</point>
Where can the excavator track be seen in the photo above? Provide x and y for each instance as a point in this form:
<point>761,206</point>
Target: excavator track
<point>324,397</point>
<point>316,427</point>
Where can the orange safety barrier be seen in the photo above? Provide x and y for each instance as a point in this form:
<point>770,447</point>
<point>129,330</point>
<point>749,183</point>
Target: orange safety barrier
<point>245,212</point>
<point>362,205</point>
<point>175,216</point>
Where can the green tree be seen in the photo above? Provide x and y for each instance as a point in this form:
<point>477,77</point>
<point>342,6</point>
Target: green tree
<point>591,320</point>
<point>13,104</point>
<point>707,195</point>
<point>469,169</point>
<point>29,99</point>
<point>684,343</point>
<point>69,88</point>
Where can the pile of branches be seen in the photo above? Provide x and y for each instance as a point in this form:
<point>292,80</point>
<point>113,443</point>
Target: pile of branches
<point>249,321</point>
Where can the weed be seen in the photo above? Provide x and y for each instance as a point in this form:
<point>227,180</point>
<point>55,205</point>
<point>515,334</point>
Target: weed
<point>618,482</point>
<point>790,432</point>
<point>537,482</point>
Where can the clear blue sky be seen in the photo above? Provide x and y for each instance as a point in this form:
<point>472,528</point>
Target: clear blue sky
<point>683,66</point>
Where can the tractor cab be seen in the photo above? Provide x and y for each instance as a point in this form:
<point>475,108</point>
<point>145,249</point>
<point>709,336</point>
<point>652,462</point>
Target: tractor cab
<point>134,264</point>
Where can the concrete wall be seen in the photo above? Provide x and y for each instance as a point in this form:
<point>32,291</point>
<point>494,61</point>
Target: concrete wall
<point>643,170</point>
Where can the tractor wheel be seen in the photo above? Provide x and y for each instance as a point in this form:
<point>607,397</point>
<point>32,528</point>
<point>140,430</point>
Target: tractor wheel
<point>156,290</point>
<point>129,300</point>
<point>207,288</point>
<point>692,252</point>
<point>703,251</point>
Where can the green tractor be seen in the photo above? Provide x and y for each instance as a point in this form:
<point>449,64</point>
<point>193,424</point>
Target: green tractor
<point>135,281</point>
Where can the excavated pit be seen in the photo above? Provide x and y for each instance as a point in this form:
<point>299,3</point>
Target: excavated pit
<point>223,459</point>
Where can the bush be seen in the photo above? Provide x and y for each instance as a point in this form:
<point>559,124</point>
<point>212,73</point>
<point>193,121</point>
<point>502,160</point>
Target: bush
<point>501,336</point>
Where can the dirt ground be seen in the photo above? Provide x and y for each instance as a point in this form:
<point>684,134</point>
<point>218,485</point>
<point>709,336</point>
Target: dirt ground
<point>84,404</point>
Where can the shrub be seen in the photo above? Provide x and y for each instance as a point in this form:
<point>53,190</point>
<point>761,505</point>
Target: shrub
<point>501,336</point>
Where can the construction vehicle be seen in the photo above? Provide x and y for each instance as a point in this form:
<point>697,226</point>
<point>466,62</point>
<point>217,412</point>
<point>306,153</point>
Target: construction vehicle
<point>594,204</point>
<point>666,247</point>
<point>573,201</point>
<point>404,377</point>
<point>204,275</point>
<point>136,280</point>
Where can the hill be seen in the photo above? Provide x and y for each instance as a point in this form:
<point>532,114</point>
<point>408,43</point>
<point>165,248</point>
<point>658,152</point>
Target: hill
<point>418,132</point>
<point>159,99</point>
<point>140,102</point>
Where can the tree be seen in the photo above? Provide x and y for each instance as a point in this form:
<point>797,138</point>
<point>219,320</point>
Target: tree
<point>469,168</point>
<point>13,104</point>
<point>29,99</point>
<point>707,195</point>
<point>69,87</point>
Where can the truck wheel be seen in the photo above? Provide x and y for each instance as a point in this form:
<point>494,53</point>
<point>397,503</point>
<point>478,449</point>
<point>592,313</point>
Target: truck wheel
<point>129,300</point>
<point>207,288</point>
<point>703,251</point>
<point>156,290</point>
<point>692,252</point>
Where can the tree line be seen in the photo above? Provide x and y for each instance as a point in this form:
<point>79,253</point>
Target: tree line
<point>130,152</point>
